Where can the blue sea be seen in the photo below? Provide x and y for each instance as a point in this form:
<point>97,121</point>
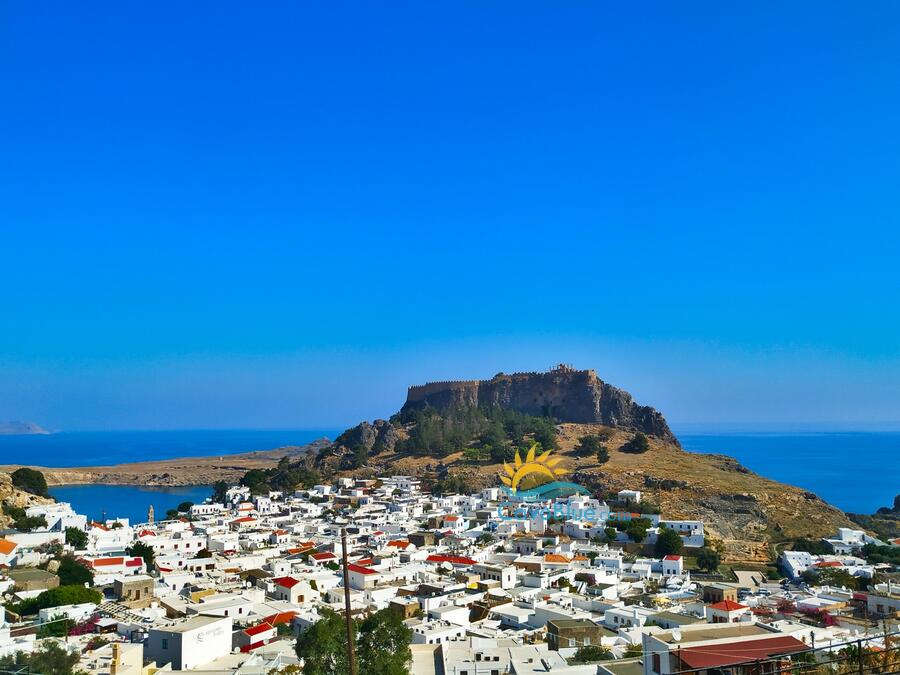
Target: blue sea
<point>99,502</point>
<point>98,448</point>
<point>857,471</point>
<point>93,448</point>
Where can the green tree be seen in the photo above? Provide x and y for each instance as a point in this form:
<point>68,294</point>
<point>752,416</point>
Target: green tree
<point>708,559</point>
<point>77,538</point>
<point>668,542</point>
<point>502,453</point>
<point>58,626</point>
<point>832,577</point>
<point>591,653</point>
<point>814,546</point>
<point>49,659</point>
<point>256,480</point>
<point>143,550</point>
<point>61,595</point>
<point>323,646</point>
<point>360,457</point>
<point>609,534</point>
<point>73,572</point>
<point>475,455</point>
<point>592,444</point>
<point>636,529</point>
<point>637,445</point>
<point>384,644</point>
<point>30,480</point>
<point>185,507</point>
<point>220,488</point>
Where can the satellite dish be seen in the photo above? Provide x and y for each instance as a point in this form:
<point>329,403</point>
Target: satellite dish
<point>676,634</point>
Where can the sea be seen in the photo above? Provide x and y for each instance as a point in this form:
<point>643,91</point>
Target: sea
<point>857,471</point>
<point>93,448</point>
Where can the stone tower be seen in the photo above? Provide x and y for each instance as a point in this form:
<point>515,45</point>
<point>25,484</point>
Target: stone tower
<point>150,514</point>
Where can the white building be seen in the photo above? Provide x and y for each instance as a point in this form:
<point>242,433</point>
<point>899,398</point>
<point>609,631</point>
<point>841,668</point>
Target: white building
<point>190,644</point>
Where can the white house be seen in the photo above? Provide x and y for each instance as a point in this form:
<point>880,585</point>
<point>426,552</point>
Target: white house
<point>190,644</point>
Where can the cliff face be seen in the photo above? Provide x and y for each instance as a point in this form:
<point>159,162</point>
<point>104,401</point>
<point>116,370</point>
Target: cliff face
<point>577,396</point>
<point>12,496</point>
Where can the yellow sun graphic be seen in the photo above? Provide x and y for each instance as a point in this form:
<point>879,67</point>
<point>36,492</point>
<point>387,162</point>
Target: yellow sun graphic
<point>544,465</point>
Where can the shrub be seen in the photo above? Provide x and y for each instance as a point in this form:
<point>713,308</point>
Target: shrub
<point>591,653</point>
<point>30,480</point>
<point>77,538</point>
<point>141,549</point>
<point>636,529</point>
<point>592,444</point>
<point>637,445</point>
<point>708,559</point>
<point>54,597</point>
<point>668,542</point>
<point>73,572</point>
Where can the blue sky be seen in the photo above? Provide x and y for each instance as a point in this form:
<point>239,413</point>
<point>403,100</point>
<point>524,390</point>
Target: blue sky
<point>232,215</point>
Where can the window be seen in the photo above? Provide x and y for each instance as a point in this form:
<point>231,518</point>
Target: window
<point>656,663</point>
<point>165,643</point>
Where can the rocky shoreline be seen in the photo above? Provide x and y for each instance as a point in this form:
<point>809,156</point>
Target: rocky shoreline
<point>181,471</point>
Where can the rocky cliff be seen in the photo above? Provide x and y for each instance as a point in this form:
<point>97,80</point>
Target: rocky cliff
<point>12,496</point>
<point>566,394</point>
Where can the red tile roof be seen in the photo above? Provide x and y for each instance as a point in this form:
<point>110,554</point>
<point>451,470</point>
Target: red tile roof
<point>105,562</point>
<point>720,655</point>
<point>259,628</point>
<point>452,559</point>
<point>398,543</point>
<point>828,563</point>
<point>281,617</point>
<point>325,555</point>
<point>7,546</point>
<point>728,606</point>
<point>672,557</point>
<point>359,569</point>
<point>286,582</point>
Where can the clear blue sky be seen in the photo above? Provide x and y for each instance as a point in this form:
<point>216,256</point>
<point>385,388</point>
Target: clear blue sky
<point>220,214</point>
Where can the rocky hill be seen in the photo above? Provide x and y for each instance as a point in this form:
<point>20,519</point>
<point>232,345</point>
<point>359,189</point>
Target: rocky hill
<point>565,394</point>
<point>746,512</point>
<point>11,496</point>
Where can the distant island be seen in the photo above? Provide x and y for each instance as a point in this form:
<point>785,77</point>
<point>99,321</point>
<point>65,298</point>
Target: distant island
<point>16,428</point>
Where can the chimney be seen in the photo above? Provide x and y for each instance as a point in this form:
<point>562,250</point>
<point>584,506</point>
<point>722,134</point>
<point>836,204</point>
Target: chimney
<point>114,664</point>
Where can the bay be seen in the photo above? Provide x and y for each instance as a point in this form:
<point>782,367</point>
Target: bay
<point>857,471</point>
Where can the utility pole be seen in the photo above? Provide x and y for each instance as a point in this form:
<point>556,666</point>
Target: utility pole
<point>351,656</point>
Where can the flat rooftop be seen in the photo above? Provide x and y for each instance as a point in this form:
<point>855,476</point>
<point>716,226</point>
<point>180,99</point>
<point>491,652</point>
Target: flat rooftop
<point>714,632</point>
<point>193,624</point>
